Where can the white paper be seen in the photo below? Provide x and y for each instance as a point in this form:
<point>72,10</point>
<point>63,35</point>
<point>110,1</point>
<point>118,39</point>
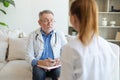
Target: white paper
<point>49,68</point>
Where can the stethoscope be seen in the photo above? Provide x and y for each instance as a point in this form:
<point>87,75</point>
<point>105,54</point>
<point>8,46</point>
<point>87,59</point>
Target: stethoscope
<point>55,38</point>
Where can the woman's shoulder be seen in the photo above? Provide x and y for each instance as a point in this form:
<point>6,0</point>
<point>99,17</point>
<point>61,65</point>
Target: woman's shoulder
<point>74,42</point>
<point>103,46</point>
<point>102,42</point>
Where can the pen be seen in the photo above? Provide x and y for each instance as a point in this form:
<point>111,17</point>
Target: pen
<point>52,61</point>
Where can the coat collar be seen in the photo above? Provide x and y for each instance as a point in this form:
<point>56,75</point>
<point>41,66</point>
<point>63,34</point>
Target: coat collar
<point>39,34</point>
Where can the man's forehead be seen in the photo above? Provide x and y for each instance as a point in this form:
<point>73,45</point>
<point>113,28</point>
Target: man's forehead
<point>47,16</point>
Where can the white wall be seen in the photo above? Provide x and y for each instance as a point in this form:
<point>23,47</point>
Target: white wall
<point>25,14</point>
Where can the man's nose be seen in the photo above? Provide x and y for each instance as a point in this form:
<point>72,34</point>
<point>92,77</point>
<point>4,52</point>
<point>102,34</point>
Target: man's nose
<point>50,23</point>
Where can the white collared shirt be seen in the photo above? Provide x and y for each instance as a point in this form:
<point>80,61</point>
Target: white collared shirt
<point>93,62</point>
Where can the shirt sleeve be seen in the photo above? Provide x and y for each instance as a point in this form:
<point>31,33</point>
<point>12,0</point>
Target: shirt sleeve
<point>34,62</point>
<point>69,69</point>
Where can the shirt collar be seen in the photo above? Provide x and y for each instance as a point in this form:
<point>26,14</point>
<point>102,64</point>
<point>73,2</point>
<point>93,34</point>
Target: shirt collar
<point>44,34</point>
<point>38,31</point>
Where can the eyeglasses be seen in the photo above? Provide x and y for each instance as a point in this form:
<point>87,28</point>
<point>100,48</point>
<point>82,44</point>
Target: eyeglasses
<point>47,21</point>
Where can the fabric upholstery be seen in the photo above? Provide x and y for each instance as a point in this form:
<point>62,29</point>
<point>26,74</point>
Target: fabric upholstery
<point>17,48</point>
<point>2,65</point>
<point>3,45</point>
<point>16,70</point>
<point>3,50</point>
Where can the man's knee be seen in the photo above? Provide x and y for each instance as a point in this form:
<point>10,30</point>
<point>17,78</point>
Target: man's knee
<point>56,72</point>
<point>39,73</point>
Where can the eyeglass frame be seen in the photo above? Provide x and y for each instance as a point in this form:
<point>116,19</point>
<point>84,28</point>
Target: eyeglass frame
<point>47,21</point>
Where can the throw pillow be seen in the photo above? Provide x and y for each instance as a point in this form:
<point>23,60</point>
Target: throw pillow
<point>17,48</point>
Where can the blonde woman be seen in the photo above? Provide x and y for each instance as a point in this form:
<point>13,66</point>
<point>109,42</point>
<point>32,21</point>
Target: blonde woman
<point>88,56</point>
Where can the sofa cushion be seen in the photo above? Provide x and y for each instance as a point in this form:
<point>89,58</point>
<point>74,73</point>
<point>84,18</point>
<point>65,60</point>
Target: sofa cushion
<point>2,65</point>
<point>16,70</point>
<point>3,45</point>
<point>17,48</point>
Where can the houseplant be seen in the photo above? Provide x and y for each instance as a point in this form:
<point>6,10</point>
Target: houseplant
<point>6,4</point>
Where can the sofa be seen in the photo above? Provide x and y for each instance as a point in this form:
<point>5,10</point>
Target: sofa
<point>13,65</point>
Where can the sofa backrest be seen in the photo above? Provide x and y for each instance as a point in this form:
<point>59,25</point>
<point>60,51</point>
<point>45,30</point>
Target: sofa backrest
<point>7,48</point>
<point>3,45</point>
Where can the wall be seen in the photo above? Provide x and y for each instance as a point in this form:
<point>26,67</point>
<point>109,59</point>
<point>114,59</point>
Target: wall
<point>25,15</point>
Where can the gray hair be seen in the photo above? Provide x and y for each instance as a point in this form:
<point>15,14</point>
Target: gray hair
<point>45,11</point>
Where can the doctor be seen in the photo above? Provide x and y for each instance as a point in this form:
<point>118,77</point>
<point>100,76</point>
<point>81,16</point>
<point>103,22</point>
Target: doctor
<point>44,47</point>
<point>91,57</point>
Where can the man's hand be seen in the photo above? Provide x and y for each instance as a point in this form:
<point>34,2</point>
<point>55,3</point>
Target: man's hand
<point>47,62</point>
<point>57,61</point>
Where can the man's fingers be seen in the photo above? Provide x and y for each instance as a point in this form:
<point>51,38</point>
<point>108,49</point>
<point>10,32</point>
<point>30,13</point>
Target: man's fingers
<point>51,60</point>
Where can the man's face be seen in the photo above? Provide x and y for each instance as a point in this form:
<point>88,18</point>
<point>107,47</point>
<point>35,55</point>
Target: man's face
<point>47,22</point>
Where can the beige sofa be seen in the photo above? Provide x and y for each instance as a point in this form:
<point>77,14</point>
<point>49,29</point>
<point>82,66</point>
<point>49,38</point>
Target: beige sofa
<point>13,65</point>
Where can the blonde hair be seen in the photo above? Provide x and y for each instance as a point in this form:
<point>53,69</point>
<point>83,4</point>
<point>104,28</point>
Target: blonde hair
<point>86,12</point>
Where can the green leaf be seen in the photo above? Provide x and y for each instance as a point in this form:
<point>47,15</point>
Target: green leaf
<point>3,24</point>
<point>3,11</point>
<point>6,4</point>
<point>10,2</point>
<point>1,0</point>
